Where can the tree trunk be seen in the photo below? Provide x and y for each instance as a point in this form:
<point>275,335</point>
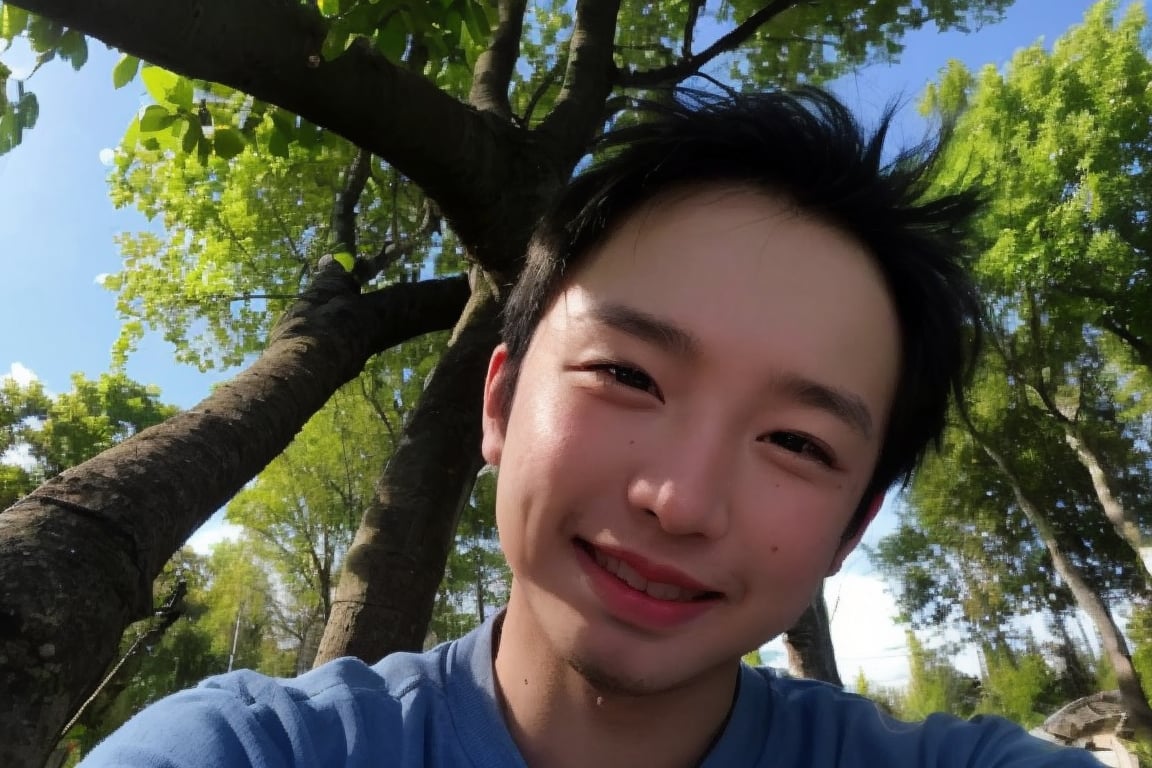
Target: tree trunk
<point>388,585</point>
<point>1112,640</point>
<point>1080,681</point>
<point>479,575</point>
<point>79,554</point>
<point>809,644</point>
<point>1122,519</point>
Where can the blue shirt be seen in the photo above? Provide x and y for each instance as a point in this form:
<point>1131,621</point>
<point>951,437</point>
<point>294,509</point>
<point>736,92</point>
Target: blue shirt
<point>439,709</point>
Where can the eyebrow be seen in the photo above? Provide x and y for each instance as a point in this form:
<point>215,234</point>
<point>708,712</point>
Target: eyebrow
<point>668,337</point>
<point>845,406</point>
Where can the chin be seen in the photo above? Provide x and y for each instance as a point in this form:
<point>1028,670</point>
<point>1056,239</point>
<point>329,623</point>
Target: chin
<point>613,682</point>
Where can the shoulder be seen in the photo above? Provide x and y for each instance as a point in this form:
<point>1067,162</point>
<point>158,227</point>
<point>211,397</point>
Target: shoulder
<point>344,713</point>
<point>848,730</point>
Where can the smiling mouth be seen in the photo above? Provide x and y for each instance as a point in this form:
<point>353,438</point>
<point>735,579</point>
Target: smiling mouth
<point>655,589</point>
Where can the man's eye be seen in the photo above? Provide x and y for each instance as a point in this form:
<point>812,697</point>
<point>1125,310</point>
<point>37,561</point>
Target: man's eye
<point>805,446</point>
<point>633,378</point>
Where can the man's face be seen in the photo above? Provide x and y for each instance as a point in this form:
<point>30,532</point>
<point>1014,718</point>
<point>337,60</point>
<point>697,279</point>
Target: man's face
<point>695,422</point>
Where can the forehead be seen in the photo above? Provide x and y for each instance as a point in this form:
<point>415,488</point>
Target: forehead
<point>728,240</point>
<point>762,286</point>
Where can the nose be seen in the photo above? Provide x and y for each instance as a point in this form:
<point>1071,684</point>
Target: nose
<point>686,483</point>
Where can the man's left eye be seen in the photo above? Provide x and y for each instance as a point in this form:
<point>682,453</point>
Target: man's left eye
<point>799,444</point>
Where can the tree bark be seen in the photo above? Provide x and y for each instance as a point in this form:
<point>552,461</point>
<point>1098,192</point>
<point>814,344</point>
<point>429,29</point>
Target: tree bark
<point>79,554</point>
<point>1122,518</point>
<point>388,586</point>
<point>1112,640</point>
<point>809,645</point>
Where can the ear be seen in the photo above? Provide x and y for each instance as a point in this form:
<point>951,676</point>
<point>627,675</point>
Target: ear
<point>495,421</point>
<point>848,545</point>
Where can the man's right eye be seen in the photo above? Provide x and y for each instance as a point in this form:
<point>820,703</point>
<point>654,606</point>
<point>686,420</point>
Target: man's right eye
<point>630,377</point>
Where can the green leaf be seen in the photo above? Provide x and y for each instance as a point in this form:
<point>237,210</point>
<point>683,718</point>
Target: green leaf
<point>285,122</point>
<point>29,110</point>
<point>308,134</point>
<point>125,70</point>
<point>192,135</point>
<point>181,94</point>
<point>336,42</point>
<point>278,143</point>
<point>227,142</point>
<point>73,48</point>
<point>9,131</point>
<point>345,259</point>
<point>392,39</point>
<point>44,35</point>
<point>156,118</point>
<point>13,21</point>
<point>475,21</point>
<point>158,81</point>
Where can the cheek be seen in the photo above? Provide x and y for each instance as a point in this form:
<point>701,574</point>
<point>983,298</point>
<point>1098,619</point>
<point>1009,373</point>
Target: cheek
<point>541,470</point>
<point>793,539</point>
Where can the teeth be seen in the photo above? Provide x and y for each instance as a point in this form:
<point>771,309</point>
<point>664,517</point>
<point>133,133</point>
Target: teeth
<point>629,576</point>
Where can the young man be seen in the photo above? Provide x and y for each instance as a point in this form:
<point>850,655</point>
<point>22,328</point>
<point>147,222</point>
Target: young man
<point>730,338</point>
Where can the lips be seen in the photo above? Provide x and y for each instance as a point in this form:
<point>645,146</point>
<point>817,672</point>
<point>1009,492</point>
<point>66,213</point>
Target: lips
<point>658,582</point>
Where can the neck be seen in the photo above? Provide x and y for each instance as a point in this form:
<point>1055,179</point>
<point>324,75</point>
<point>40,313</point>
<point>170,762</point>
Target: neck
<point>559,719</point>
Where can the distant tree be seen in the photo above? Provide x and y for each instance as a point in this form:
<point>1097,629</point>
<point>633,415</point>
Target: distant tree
<point>1060,142</point>
<point>42,435</point>
<point>477,579</point>
<point>1020,685</point>
<point>156,658</point>
<point>891,700</point>
<point>300,514</point>
<point>935,685</point>
<point>809,644</point>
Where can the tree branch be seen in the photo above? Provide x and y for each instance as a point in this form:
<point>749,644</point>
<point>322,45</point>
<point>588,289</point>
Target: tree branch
<point>494,67</point>
<point>270,49</point>
<point>575,117</point>
<point>390,252</point>
<point>79,554</point>
<point>546,82</point>
<point>687,66</point>
<point>1040,387</point>
<point>343,237</point>
<point>1141,347</point>
<point>694,7</point>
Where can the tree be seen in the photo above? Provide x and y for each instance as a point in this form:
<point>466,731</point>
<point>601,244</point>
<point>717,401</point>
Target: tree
<point>1060,141</point>
<point>1007,522</point>
<point>162,654</point>
<point>487,110</point>
<point>53,433</point>
<point>809,645</point>
<point>1020,686</point>
<point>301,512</point>
<point>934,685</point>
<point>476,579</point>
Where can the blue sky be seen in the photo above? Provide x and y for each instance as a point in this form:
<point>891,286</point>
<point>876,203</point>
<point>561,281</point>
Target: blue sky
<point>57,226</point>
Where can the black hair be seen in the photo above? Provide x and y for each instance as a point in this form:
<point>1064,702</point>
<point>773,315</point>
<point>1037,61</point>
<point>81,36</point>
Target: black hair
<point>805,148</point>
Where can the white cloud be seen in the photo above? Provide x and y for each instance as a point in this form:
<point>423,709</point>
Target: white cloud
<point>864,631</point>
<point>214,531</point>
<point>19,456</point>
<point>107,156</point>
<point>101,278</point>
<point>21,374</point>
